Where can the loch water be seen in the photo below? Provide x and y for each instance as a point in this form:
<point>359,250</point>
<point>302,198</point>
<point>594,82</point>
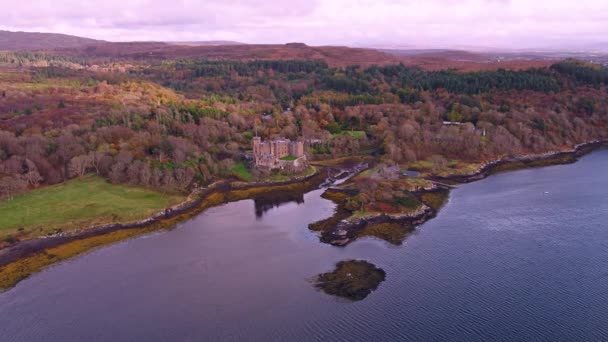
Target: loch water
<point>519,256</point>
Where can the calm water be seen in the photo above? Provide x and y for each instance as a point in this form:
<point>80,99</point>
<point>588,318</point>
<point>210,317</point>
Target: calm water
<point>521,256</point>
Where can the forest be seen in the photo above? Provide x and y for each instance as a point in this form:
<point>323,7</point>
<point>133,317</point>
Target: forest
<point>174,124</point>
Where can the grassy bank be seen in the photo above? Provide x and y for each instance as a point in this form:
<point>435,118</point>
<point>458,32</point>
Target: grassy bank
<point>443,167</point>
<point>14,272</point>
<point>78,204</point>
<point>284,176</point>
<point>241,172</point>
<point>354,134</point>
<point>343,162</point>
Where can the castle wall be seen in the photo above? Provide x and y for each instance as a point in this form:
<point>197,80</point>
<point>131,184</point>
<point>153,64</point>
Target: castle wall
<point>296,148</point>
<point>268,154</point>
<point>280,148</point>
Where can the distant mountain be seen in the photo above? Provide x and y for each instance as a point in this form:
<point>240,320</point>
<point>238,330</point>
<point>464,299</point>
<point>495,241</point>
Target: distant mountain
<point>462,60</point>
<point>333,55</point>
<point>16,41</point>
<point>439,53</point>
<point>207,43</point>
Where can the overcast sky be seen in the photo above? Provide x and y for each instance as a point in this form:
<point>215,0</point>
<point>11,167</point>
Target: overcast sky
<point>380,23</point>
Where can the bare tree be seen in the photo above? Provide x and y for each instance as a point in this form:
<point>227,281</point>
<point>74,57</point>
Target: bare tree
<point>168,181</point>
<point>117,172</point>
<point>133,172</point>
<point>439,163</point>
<point>184,177</point>
<point>11,185</point>
<point>33,178</point>
<point>145,175</point>
<point>96,161</point>
<point>79,165</point>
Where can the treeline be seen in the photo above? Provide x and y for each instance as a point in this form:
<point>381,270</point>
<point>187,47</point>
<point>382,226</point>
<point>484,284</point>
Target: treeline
<point>353,80</point>
<point>29,58</point>
<point>224,68</point>
<point>281,76</point>
<point>582,73</point>
<point>165,157</point>
<point>127,127</point>
<point>468,83</point>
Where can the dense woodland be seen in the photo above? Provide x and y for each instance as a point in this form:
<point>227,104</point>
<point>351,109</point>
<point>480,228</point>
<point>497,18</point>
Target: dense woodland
<point>172,124</point>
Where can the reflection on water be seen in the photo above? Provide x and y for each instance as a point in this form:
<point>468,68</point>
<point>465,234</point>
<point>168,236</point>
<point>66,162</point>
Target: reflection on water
<point>501,262</point>
<point>265,202</point>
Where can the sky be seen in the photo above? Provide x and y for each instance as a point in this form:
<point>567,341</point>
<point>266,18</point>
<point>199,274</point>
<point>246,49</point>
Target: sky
<point>372,23</point>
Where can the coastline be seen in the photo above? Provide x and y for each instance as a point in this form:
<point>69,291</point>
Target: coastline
<point>344,231</point>
<point>25,258</point>
<point>510,163</point>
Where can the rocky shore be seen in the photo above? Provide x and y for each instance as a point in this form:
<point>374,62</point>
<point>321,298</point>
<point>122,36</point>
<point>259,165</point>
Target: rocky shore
<point>345,230</point>
<point>352,279</point>
<point>526,161</point>
<point>338,230</point>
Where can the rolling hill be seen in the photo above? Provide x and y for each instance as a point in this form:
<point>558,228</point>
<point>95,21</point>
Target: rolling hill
<point>332,55</point>
<point>335,56</point>
<point>30,41</point>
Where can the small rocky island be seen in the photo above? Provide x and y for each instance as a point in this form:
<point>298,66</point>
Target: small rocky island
<point>352,279</point>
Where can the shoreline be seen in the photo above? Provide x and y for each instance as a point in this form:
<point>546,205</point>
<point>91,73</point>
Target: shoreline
<point>30,256</point>
<point>345,231</point>
<point>27,257</point>
<point>510,163</point>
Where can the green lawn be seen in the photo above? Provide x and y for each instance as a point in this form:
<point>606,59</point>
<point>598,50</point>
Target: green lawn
<point>451,167</point>
<point>281,176</point>
<point>354,134</point>
<point>241,172</point>
<point>289,158</point>
<point>77,204</point>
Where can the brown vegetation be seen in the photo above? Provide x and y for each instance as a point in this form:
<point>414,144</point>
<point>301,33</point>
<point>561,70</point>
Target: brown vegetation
<point>353,279</point>
<point>15,41</point>
<point>176,124</point>
<point>338,56</point>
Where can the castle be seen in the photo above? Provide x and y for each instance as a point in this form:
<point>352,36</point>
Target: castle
<point>279,154</point>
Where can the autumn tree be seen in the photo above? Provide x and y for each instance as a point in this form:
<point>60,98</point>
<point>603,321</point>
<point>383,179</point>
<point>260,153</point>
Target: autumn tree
<point>80,165</point>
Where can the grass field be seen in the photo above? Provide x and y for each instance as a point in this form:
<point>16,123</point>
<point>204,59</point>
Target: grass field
<point>24,267</point>
<point>349,161</point>
<point>451,167</point>
<point>78,204</point>
<point>354,134</point>
<point>240,171</point>
<point>281,176</point>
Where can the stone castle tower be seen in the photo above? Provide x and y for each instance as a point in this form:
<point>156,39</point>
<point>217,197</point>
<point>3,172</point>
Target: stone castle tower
<point>269,154</point>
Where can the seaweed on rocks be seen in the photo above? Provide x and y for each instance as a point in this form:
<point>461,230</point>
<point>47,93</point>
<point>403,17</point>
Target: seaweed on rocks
<point>352,279</point>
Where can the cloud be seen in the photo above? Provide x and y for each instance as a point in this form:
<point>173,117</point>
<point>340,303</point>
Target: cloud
<point>430,23</point>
